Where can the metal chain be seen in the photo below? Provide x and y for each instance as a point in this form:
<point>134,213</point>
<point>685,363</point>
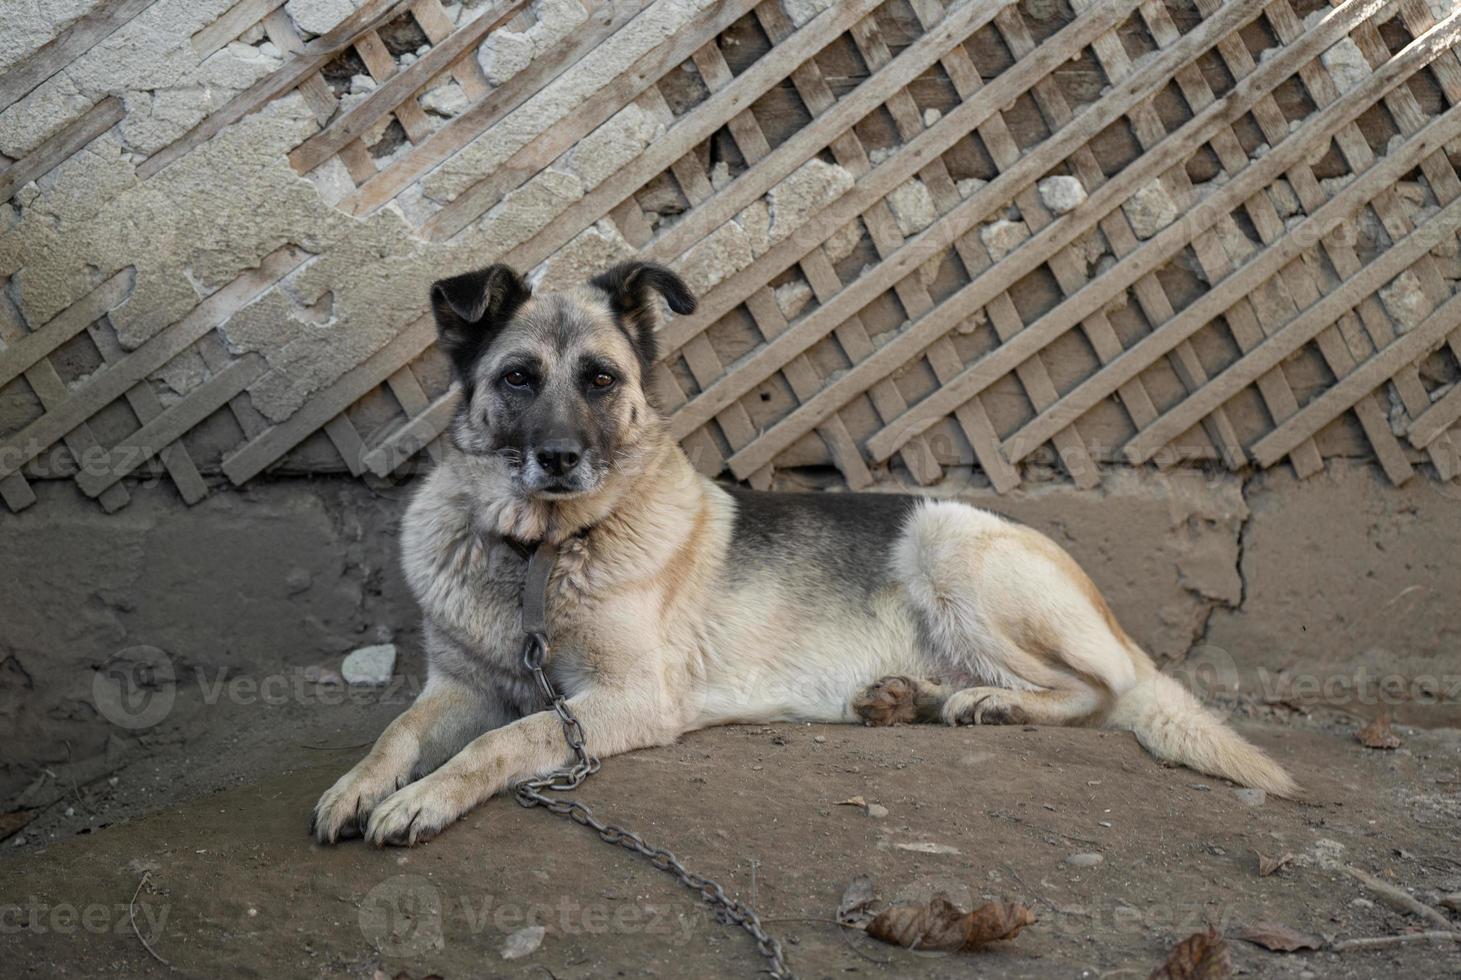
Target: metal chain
<point>530,793</point>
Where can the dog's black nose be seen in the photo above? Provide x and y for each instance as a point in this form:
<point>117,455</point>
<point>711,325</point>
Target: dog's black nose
<point>558,457</point>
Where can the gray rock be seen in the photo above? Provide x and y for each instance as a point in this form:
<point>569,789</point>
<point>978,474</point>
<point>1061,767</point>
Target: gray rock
<point>1252,797</point>
<point>370,666</point>
<point>1061,194</point>
<point>1087,859</point>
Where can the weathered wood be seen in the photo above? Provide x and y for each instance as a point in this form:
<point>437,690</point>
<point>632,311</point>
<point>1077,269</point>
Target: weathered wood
<point>46,157</point>
<point>74,41</point>
<point>310,59</point>
<point>105,387</point>
<point>239,18</point>
<point>461,131</point>
<point>24,351</point>
<point>1165,243</point>
<point>128,454</point>
<point>398,87</point>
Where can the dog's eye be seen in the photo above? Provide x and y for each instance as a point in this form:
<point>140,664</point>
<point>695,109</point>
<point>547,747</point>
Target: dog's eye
<point>602,380</point>
<point>515,379</point>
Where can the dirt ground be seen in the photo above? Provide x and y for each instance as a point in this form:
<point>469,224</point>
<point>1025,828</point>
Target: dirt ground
<point>234,886</point>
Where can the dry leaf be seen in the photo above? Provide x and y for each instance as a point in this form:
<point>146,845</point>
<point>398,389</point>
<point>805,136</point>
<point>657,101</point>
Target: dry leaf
<point>1279,938</point>
<point>942,925</point>
<point>853,909</point>
<point>1201,956</point>
<point>1377,734</point>
<point>853,801</point>
<point>1268,865</point>
<point>12,822</point>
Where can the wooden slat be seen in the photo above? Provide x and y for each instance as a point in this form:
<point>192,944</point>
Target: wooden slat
<point>459,132</point>
<point>397,87</point>
<point>46,157</point>
<point>687,133</point>
<point>75,40</point>
<point>19,355</point>
<point>954,126</point>
<point>162,427</point>
<point>105,387</point>
<point>128,454</point>
<point>1416,343</point>
<point>1037,250</point>
<point>51,391</point>
<point>239,18</point>
<point>309,60</point>
<point>1316,318</point>
<point>1160,248</point>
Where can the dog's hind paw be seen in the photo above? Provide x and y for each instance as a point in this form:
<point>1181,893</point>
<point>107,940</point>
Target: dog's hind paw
<point>890,701</point>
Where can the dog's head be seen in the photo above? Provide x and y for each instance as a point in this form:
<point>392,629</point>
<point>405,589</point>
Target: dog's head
<point>553,384</point>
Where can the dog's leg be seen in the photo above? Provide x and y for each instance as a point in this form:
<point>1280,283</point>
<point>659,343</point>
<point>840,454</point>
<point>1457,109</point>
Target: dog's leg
<point>901,700</point>
<point>1002,706</point>
<point>613,720</point>
<point>444,717</point>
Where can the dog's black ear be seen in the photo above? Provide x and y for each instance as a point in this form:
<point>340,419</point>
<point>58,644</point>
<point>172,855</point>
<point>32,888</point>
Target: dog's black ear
<point>627,285</point>
<point>471,308</point>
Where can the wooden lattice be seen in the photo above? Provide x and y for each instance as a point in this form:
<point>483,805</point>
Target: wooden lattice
<point>1210,298</point>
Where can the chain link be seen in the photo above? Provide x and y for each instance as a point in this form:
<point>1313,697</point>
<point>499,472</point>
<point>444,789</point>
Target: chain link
<point>530,793</point>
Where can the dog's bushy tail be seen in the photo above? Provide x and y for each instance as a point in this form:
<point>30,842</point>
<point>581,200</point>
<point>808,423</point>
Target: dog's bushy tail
<point>1173,725</point>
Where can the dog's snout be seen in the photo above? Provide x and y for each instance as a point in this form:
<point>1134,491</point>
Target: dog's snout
<point>558,457</point>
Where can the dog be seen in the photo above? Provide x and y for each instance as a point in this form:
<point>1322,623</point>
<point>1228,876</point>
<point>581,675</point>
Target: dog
<point>677,603</point>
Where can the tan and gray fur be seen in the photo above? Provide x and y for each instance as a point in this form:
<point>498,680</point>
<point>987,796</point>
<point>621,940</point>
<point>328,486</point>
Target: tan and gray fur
<point>677,603</point>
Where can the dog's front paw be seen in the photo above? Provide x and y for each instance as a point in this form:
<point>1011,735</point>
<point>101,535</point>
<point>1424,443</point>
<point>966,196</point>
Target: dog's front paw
<point>343,809</point>
<point>418,812</point>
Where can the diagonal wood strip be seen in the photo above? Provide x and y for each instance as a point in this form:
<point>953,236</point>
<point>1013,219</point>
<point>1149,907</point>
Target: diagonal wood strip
<point>884,82</point>
<point>81,36</point>
<point>310,59</point>
<point>106,386</point>
<point>1167,242</point>
<point>1038,249</point>
<point>239,18</point>
<point>1434,421</point>
<point>399,87</point>
<point>1308,324</point>
<point>954,126</point>
<point>1414,344</point>
<point>462,130</point>
<point>689,131</point>
<point>172,423</point>
<point>46,157</point>
<point>146,406</point>
<point>18,357</point>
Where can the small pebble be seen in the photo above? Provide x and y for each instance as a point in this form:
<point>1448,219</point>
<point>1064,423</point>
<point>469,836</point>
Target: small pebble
<point>1252,797</point>
<point>1104,823</point>
<point>1088,859</point>
<point>877,810</point>
<point>1361,903</point>
<point>819,739</point>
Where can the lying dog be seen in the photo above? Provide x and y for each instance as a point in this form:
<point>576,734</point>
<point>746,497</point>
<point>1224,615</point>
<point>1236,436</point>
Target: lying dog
<point>678,604</point>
